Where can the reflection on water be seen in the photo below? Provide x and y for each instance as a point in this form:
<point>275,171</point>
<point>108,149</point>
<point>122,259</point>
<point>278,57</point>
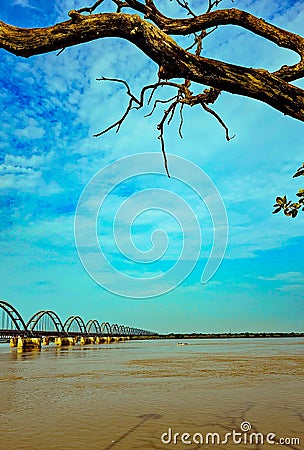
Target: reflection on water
<point>126,395</point>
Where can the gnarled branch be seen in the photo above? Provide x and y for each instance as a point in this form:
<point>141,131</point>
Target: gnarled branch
<point>155,41</point>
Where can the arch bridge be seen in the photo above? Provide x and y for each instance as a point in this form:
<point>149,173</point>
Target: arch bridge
<point>45,326</point>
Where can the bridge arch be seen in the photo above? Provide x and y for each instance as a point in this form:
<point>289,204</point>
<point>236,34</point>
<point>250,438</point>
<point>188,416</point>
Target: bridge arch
<point>13,315</point>
<point>121,330</point>
<point>93,324</point>
<point>75,320</point>
<point>105,326</point>
<point>138,332</point>
<point>115,329</point>
<point>40,316</point>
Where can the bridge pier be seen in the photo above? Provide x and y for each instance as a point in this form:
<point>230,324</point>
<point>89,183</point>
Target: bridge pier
<point>46,340</point>
<point>87,340</point>
<point>65,341</point>
<point>28,343</point>
<point>103,340</point>
<point>13,342</point>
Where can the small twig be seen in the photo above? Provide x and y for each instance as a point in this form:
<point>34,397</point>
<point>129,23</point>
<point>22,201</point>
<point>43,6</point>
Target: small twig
<point>183,96</point>
<point>120,5</point>
<point>200,38</point>
<point>164,155</point>
<point>172,112</point>
<point>117,80</point>
<point>184,4</point>
<point>160,127</point>
<point>200,43</point>
<point>160,101</point>
<point>211,31</point>
<point>59,53</point>
<point>181,120</point>
<point>218,118</point>
<point>154,87</point>
<point>152,93</point>
<point>90,9</point>
<point>194,43</point>
<point>119,122</point>
<point>214,3</point>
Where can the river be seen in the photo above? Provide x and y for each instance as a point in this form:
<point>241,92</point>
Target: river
<point>154,395</point>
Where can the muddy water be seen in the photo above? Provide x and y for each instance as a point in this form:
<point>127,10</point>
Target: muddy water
<point>128,395</point>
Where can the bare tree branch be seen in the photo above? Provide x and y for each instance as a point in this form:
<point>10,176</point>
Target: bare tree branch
<point>175,61</point>
<point>186,6</point>
<point>218,118</point>
<point>90,9</point>
<point>181,120</point>
<point>151,31</point>
<point>183,97</point>
<point>214,4</point>
<point>160,101</point>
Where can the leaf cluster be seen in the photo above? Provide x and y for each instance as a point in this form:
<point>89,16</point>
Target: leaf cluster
<point>290,208</point>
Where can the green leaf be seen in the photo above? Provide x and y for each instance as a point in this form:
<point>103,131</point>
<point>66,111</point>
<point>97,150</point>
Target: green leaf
<point>300,193</point>
<point>294,213</point>
<point>277,210</point>
<point>299,173</point>
<point>280,200</point>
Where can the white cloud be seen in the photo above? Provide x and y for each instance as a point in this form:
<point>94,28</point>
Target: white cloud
<point>24,4</point>
<point>26,174</point>
<point>291,288</point>
<point>290,277</point>
<point>287,281</point>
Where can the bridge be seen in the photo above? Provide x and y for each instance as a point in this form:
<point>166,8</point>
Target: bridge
<point>46,326</point>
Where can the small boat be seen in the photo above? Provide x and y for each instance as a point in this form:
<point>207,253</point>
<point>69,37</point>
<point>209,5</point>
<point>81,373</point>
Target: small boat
<point>182,343</point>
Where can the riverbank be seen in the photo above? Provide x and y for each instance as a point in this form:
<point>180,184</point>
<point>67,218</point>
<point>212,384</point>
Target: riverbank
<point>245,335</point>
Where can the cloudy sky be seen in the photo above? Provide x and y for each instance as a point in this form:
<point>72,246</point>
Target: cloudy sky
<point>144,241</point>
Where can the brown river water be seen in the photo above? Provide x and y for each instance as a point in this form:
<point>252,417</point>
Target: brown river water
<point>248,393</point>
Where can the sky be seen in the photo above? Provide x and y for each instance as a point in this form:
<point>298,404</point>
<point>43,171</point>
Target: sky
<point>143,242</point>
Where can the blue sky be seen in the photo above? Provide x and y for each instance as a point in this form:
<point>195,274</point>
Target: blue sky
<point>52,106</point>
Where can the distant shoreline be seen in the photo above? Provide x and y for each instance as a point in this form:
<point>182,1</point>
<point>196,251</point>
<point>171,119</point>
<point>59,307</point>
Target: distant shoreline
<point>245,335</point>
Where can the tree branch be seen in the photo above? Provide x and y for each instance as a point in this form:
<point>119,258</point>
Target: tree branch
<point>183,97</point>
<point>162,49</point>
<point>90,9</point>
